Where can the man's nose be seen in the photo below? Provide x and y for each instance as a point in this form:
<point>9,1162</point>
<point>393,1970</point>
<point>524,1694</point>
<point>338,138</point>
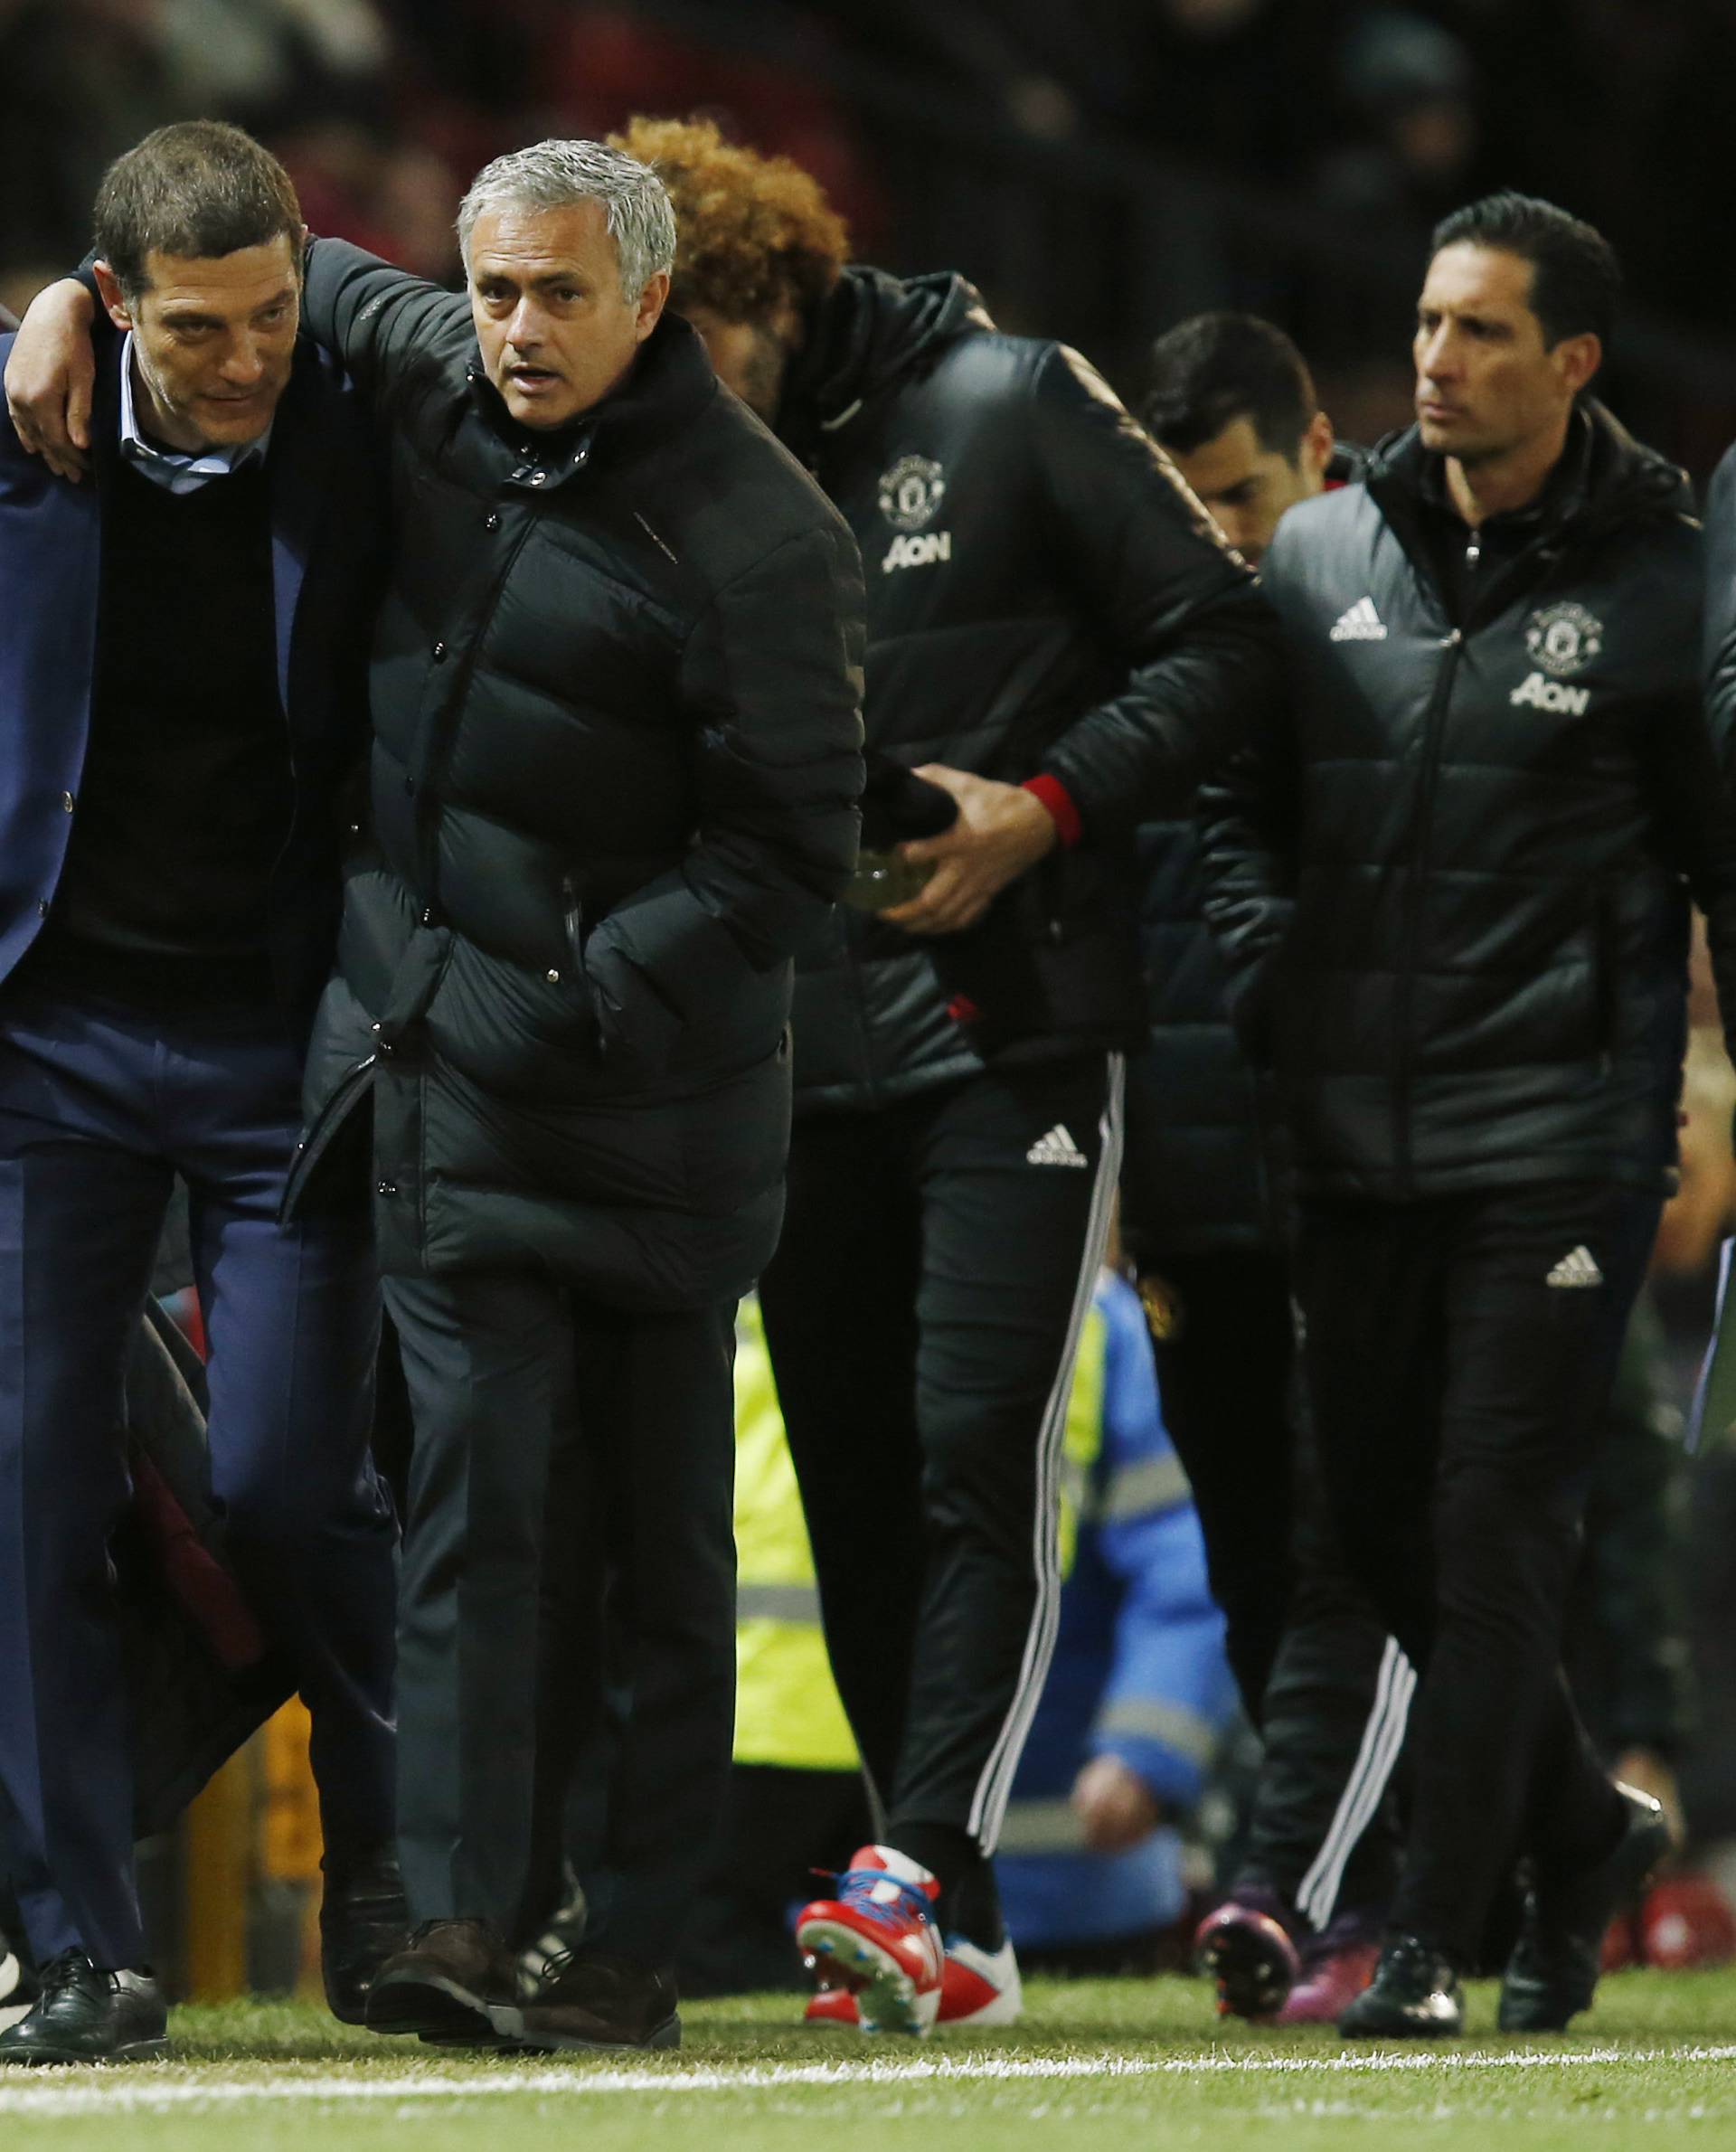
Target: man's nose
<point>245,361</point>
<point>525,330</point>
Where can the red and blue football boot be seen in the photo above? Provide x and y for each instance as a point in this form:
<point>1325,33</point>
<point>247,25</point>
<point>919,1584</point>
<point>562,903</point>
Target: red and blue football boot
<point>877,1940</point>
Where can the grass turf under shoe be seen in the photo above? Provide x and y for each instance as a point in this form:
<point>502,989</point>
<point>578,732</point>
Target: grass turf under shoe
<point>88,2014</point>
<point>877,1938</point>
<point>1552,1973</point>
<point>1414,1996</point>
<point>1250,1955</point>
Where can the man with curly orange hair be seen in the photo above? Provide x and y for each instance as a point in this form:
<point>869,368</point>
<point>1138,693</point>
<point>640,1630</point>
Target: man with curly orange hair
<point>1058,643</point>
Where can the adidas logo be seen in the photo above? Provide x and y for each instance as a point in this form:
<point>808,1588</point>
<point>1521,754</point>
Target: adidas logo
<point>1056,1148</point>
<point>1361,624</point>
<point>1577,1267</point>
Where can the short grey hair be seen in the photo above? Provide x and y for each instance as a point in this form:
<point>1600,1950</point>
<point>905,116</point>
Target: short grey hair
<point>557,175</point>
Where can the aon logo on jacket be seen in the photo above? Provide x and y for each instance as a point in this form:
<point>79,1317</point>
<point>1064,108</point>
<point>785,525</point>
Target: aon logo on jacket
<point>921,549</point>
<point>1540,693</point>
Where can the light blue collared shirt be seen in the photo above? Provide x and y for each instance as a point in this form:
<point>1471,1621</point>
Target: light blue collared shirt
<point>177,470</point>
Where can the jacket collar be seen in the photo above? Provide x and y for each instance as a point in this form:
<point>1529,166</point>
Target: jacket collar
<point>870,332</point>
<point>669,382</point>
<point>1604,476</point>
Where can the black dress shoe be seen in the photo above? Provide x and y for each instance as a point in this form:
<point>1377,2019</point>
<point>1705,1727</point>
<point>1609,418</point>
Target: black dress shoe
<point>1553,1970</point>
<point>1414,1996</point>
<point>362,1924</point>
<point>449,1983</point>
<point>86,2014</point>
<point>592,2001</point>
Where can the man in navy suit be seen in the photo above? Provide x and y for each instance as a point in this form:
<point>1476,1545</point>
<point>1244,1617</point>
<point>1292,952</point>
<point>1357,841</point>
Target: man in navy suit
<point>181,701</point>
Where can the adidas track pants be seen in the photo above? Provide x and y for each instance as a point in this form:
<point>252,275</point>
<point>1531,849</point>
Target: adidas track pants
<point>923,1313</point>
<point>1459,1353</point>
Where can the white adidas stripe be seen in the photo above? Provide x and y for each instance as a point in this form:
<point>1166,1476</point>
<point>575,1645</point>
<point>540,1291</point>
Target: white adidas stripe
<point>988,1804</point>
<point>1382,1739</point>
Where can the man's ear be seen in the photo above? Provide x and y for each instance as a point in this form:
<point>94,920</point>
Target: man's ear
<point>1579,358</point>
<point>109,284</point>
<point>651,303</point>
<point>1318,445</point>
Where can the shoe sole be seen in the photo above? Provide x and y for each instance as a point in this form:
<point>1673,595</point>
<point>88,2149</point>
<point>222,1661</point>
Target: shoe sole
<point>509,2024</point>
<point>887,1999</point>
<point>443,2013</point>
<point>1254,1975</point>
<point>135,2051</point>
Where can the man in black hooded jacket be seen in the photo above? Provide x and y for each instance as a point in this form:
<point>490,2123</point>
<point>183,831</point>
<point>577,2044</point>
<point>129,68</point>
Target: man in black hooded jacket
<point>1057,643</point>
<point>1453,893</point>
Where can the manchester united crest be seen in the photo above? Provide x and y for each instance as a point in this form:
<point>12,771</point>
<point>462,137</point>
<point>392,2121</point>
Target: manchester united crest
<point>911,493</point>
<point>1563,640</point>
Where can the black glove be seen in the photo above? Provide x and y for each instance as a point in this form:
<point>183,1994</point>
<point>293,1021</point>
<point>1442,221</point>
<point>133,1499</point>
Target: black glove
<point>898,806</point>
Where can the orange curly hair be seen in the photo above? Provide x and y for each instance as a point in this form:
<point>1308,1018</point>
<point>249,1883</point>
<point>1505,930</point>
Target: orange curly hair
<point>754,234</point>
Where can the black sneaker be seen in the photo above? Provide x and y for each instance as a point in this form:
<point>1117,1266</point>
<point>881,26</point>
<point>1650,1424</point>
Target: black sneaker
<point>1553,1970</point>
<point>1414,1996</point>
<point>88,2014</point>
<point>362,1924</point>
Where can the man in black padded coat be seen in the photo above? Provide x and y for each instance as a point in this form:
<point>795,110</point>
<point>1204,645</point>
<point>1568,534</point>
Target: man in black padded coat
<point>1058,644</point>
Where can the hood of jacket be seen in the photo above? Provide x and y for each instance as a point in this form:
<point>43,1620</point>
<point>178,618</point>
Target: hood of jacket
<point>871,332</point>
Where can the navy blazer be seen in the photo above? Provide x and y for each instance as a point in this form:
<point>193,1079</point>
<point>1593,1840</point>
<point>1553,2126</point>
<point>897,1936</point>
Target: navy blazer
<point>327,548</point>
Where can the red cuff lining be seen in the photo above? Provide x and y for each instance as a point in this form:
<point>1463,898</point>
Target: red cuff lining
<point>1059,802</point>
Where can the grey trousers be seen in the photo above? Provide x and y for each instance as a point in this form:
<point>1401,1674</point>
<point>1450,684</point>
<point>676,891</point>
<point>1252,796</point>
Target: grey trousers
<point>569,1532</point>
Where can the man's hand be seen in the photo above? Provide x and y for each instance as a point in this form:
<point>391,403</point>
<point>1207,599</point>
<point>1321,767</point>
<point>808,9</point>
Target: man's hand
<point>51,376</point>
<point>1117,1807</point>
<point>1001,830</point>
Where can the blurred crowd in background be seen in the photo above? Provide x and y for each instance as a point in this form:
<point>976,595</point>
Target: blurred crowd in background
<point>1102,170</point>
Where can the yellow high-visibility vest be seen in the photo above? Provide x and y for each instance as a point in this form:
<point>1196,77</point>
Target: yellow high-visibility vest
<point>788,1711</point>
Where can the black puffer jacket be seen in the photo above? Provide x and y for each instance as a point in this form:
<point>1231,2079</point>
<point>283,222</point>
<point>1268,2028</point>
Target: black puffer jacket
<point>1453,890</point>
<point>1201,1173</point>
<point>1043,596</point>
<point>1721,611</point>
<point>617,754</point>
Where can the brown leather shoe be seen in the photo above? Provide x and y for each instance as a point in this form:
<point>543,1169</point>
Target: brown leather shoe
<point>593,2000</point>
<point>447,1984</point>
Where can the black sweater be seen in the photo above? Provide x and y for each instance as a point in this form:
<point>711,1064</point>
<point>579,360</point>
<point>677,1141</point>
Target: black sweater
<point>185,800</point>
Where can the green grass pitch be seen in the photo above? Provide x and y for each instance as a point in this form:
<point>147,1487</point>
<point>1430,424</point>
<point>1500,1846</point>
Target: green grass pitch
<point>1111,2066</point>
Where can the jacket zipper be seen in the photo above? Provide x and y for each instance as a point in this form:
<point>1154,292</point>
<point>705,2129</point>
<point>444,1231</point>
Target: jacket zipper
<point>574,918</point>
<point>1434,724</point>
<point>1452,644</point>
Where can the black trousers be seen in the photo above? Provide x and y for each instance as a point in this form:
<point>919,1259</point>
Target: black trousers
<point>566,1604</point>
<point>1317,1673</point>
<point>1459,1353</point>
<point>923,1312</point>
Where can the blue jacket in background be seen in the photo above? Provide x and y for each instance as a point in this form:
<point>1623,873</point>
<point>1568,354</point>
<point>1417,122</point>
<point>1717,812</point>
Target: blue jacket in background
<point>1139,1671</point>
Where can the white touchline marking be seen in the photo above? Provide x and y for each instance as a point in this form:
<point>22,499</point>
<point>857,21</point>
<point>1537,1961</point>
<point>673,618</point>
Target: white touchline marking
<point>144,2087</point>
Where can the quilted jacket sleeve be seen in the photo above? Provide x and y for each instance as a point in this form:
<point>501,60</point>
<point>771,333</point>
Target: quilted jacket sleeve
<point>382,322</point>
<point>1199,645</point>
<point>1720,638</point>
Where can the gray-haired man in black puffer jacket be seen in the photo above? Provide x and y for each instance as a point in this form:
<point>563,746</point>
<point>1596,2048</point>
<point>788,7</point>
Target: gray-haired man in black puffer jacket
<point>616,760</point>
